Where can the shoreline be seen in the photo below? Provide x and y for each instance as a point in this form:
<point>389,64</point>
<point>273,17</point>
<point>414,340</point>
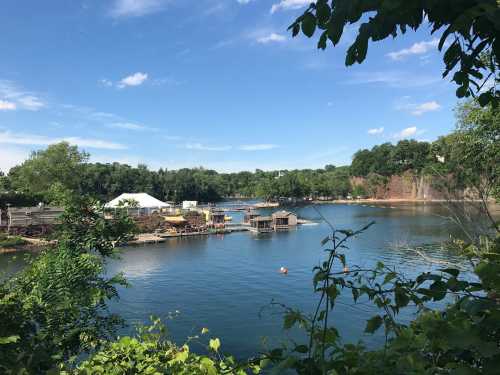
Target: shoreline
<point>375,200</point>
<point>31,245</point>
<point>398,200</point>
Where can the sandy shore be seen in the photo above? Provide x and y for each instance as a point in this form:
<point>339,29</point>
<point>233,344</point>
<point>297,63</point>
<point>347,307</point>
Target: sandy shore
<point>33,244</point>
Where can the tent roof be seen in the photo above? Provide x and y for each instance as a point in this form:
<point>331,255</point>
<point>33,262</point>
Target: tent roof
<point>144,200</point>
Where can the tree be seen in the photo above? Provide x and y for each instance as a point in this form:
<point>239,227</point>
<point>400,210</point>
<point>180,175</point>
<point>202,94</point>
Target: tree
<point>56,308</point>
<point>470,34</point>
<point>4,183</point>
<point>47,172</point>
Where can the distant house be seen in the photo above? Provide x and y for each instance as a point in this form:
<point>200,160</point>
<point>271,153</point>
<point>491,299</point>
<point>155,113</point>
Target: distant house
<point>262,224</point>
<point>217,218</point>
<point>138,203</point>
<point>249,216</point>
<point>284,220</point>
<point>32,219</point>
<point>187,205</point>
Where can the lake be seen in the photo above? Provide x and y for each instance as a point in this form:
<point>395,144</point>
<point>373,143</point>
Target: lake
<point>227,282</point>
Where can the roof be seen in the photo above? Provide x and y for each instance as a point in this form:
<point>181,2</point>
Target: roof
<point>263,218</point>
<point>175,219</point>
<point>143,201</point>
<point>283,214</point>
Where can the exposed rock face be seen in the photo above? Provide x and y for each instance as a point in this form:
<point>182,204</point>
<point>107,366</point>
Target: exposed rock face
<point>406,186</point>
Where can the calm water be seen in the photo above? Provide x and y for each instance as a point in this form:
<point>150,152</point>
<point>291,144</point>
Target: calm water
<point>226,283</point>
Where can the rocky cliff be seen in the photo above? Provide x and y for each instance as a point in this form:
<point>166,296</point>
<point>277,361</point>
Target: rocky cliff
<point>409,186</point>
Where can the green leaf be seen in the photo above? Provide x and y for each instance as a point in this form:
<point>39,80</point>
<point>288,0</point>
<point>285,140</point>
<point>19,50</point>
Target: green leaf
<point>214,344</point>
<point>373,324</point>
<point>390,276</point>
<point>322,40</point>
<point>301,349</point>
<point>438,289</point>
<point>9,339</point>
<point>402,298</point>
<point>485,98</point>
<point>452,271</point>
<point>325,240</point>
<point>322,12</point>
<point>308,24</point>
<point>208,365</point>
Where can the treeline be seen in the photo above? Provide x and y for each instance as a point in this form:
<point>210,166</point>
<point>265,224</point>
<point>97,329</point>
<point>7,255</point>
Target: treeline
<point>62,167</point>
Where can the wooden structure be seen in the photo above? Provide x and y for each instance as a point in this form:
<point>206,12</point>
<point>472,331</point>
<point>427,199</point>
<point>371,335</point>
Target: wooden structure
<point>217,218</point>
<point>32,220</point>
<point>249,216</point>
<point>284,220</point>
<point>195,219</point>
<point>262,224</point>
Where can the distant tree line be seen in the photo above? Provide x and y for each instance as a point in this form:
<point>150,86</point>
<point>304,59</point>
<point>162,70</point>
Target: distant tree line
<point>49,174</point>
<point>61,167</point>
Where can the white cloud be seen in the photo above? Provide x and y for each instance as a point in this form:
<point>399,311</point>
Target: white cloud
<point>172,137</point>
<point>130,126</point>
<point>202,147</point>
<point>243,1</point>
<point>136,8</point>
<point>290,4</point>
<point>376,131</point>
<point>273,37</point>
<point>105,82</point>
<point>31,103</point>
<point>40,140</point>
<point>393,79</point>
<point>20,98</point>
<point>408,132</point>
<point>405,104</point>
<point>419,48</point>
<point>135,79</point>
<point>7,106</point>
<point>426,107</point>
<point>258,147</point>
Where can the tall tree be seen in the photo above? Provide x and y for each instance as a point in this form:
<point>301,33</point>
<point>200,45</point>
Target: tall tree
<point>49,171</point>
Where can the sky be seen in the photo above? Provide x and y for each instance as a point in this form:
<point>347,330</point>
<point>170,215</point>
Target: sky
<point>213,83</point>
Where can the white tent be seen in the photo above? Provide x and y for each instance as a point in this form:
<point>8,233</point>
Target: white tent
<point>142,200</point>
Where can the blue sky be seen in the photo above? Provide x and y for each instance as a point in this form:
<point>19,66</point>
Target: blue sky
<point>213,83</point>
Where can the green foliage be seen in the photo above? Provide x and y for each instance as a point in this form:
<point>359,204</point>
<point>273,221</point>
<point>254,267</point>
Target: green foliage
<point>56,308</point>
<point>463,337</point>
<point>106,181</point>
<point>388,159</point>
<point>469,34</point>
<point>50,173</point>
<point>151,352</point>
<point>19,199</point>
<point>358,191</point>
